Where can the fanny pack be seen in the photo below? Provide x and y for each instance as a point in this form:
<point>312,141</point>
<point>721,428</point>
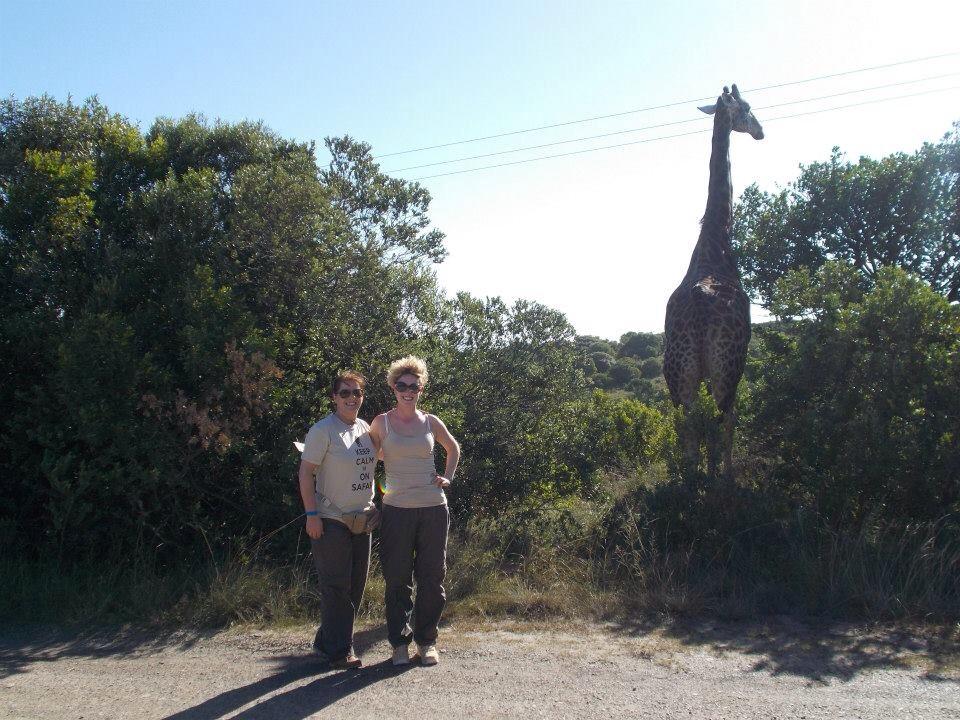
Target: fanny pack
<point>361,522</point>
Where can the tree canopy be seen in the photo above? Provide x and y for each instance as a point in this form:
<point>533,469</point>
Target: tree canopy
<point>900,211</point>
<point>175,302</point>
<point>859,401</point>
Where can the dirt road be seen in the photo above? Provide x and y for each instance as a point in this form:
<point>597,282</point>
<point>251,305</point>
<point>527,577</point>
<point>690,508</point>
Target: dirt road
<point>782,669</point>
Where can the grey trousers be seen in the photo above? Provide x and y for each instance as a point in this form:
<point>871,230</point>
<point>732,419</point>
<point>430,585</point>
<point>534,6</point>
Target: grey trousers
<point>413,546</point>
<point>342,560</point>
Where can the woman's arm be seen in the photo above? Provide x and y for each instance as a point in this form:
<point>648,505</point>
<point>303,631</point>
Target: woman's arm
<point>449,444</point>
<point>377,430</point>
<point>309,497</point>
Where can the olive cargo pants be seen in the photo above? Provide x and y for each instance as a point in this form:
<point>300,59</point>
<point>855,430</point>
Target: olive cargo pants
<point>413,546</point>
<point>342,560</point>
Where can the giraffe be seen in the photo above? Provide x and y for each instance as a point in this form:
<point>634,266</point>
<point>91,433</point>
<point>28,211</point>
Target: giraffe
<point>707,325</point>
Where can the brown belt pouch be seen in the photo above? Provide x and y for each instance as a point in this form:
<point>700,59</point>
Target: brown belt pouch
<point>361,522</point>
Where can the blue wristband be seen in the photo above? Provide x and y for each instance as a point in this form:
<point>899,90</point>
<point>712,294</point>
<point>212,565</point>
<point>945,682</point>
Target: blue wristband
<point>310,513</point>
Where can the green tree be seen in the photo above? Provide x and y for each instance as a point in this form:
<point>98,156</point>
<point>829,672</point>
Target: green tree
<point>651,368</point>
<point>900,211</point>
<point>641,345</point>
<point>624,370</point>
<point>507,382</point>
<point>174,304</point>
<point>589,344</point>
<point>858,400</point>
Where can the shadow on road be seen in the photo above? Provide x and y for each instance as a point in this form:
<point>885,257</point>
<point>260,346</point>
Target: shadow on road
<point>818,652</point>
<point>304,700</point>
<point>29,644</point>
<point>299,702</point>
<point>297,685</point>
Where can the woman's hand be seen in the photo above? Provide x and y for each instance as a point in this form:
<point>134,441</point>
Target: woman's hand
<point>314,527</point>
<point>442,482</point>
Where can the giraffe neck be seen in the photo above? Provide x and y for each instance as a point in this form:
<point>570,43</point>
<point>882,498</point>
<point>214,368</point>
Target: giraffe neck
<point>713,254</point>
<point>720,191</point>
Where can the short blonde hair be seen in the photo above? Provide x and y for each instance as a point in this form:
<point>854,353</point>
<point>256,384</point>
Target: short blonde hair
<point>409,365</point>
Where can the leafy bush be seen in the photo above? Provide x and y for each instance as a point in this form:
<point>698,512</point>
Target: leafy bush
<point>641,345</point>
<point>173,306</point>
<point>858,402</point>
<point>899,211</point>
<point>747,550</point>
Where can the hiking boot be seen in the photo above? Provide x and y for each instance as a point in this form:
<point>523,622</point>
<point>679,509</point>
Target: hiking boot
<point>346,662</point>
<point>401,655</point>
<point>428,654</point>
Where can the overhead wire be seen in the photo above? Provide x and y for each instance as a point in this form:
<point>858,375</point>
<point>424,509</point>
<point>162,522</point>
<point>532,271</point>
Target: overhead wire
<point>671,104</point>
<point>677,135</point>
<point>667,124</point>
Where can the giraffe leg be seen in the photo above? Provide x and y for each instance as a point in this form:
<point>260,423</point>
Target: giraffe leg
<point>683,368</point>
<point>714,447</point>
<point>683,392</point>
<point>729,421</point>
<point>726,367</point>
<point>690,442</point>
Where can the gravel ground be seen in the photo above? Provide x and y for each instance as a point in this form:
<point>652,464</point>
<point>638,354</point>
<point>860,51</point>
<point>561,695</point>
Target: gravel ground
<point>780,669</point>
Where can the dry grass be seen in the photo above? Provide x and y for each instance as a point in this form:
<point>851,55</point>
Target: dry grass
<point>571,564</point>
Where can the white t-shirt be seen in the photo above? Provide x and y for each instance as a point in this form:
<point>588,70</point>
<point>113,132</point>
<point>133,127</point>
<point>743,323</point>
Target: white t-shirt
<point>346,460</point>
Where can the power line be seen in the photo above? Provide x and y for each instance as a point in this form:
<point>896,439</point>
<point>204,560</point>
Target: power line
<point>668,105</point>
<point>692,132</point>
<point>861,103</point>
<point>861,90</point>
<point>666,124</point>
<point>549,144</point>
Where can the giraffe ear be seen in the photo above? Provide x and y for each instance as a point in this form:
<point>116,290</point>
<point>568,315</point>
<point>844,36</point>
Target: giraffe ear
<point>708,109</point>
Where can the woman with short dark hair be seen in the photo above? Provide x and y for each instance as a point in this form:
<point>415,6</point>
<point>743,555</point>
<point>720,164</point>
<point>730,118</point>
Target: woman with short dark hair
<point>336,485</point>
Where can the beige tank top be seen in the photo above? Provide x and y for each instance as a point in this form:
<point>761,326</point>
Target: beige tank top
<point>411,473</point>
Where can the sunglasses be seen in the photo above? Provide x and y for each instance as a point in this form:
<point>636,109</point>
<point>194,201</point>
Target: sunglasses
<point>347,393</point>
<point>403,387</point>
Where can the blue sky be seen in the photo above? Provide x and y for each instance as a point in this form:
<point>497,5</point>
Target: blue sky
<point>603,236</point>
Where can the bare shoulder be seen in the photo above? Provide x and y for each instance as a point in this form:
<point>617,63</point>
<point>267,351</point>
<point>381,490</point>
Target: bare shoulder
<point>434,420</point>
<point>377,424</point>
<point>439,428</point>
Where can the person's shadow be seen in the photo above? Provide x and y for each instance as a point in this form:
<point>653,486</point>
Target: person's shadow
<point>304,700</point>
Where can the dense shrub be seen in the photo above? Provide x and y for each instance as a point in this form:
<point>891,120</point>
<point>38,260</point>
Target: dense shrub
<point>857,403</point>
<point>175,302</point>
<point>173,305</point>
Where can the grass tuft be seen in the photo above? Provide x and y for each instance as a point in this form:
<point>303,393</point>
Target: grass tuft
<point>661,548</point>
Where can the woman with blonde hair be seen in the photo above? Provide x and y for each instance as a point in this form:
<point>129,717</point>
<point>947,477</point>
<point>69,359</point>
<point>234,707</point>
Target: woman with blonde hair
<point>415,519</point>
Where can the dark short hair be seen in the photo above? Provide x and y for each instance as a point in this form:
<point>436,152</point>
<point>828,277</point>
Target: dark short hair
<point>348,375</point>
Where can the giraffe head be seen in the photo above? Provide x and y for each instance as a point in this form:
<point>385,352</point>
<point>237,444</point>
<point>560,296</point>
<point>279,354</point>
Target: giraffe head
<point>738,110</point>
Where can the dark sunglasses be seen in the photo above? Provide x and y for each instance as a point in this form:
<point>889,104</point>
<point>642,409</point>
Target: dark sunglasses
<point>347,393</point>
<point>412,387</point>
